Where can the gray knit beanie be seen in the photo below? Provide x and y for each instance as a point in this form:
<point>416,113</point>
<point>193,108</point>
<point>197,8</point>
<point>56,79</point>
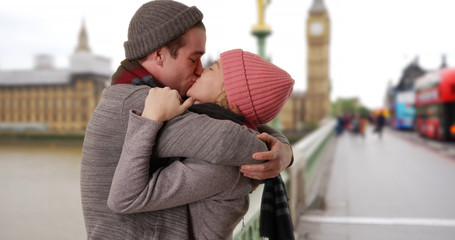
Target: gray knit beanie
<point>156,24</point>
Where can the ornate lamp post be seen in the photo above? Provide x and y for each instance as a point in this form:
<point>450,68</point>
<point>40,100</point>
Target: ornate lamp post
<point>261,30</point>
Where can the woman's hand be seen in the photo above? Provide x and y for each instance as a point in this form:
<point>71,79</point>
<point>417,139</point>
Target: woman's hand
<point>163,104</point>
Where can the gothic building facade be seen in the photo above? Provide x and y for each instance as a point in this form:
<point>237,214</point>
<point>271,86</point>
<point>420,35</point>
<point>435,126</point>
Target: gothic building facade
<point>50,100</point>
<point>293,112</point>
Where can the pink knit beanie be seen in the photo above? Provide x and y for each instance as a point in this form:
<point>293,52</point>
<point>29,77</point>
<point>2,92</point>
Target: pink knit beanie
<point>258,88</point>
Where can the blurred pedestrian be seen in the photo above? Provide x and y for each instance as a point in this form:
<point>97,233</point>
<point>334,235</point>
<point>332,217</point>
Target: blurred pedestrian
<point>380,123</point>
<point>340,124</point>
<point>347,122</point>
<point>355,124</point>
<point>363,124</point>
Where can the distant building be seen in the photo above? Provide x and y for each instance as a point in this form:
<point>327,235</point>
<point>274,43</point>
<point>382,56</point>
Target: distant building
<point>410,74</point>
<point>317,102</point>
<point>406,84</point>
<point>293,112</point>
<point>54,100</point>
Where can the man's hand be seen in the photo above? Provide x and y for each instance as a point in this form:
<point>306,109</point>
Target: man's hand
<point>163,104</point>
<point>279,157</point>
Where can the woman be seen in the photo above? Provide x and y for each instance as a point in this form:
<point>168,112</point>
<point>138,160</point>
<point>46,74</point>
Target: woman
<point>240,82</point>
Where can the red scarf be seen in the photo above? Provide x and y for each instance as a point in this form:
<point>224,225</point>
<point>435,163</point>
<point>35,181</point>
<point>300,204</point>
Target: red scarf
<point>132,72</point>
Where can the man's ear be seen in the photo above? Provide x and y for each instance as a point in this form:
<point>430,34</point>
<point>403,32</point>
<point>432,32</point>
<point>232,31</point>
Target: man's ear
<point>158,56</point>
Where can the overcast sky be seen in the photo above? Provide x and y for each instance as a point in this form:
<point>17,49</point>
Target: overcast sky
<point>372,40</point>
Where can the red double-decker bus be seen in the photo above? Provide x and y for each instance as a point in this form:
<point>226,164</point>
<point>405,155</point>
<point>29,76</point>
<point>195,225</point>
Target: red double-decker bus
<point>435,103</point>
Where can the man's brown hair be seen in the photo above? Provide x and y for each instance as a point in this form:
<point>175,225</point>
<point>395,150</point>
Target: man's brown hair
<point>179,42</point>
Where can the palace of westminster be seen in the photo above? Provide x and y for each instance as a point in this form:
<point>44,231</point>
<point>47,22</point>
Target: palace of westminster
<point>61,101</point>
<point>54,100</point>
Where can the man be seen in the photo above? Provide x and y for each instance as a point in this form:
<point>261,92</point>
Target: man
<point>166,41</point>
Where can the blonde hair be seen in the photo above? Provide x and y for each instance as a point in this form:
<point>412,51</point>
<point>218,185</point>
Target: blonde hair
<point>222,101</point>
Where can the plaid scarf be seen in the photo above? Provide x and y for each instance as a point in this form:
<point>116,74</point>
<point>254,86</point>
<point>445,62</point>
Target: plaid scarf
<point>275,219</point>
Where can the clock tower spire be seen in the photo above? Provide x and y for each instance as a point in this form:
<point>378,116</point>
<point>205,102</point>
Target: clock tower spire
<point>317,99</point>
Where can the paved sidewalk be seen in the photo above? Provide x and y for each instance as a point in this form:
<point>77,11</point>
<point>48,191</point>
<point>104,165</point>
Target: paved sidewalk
<point>388,188</point>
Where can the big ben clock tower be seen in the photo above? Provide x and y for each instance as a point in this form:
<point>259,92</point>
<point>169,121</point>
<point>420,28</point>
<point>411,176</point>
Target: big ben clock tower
<point>317,100</point>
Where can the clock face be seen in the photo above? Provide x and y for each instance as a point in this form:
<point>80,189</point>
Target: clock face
<point>316,28</point>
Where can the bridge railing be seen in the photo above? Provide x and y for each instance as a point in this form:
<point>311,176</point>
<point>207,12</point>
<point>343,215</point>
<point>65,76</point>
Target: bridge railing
<point>301,179</point>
